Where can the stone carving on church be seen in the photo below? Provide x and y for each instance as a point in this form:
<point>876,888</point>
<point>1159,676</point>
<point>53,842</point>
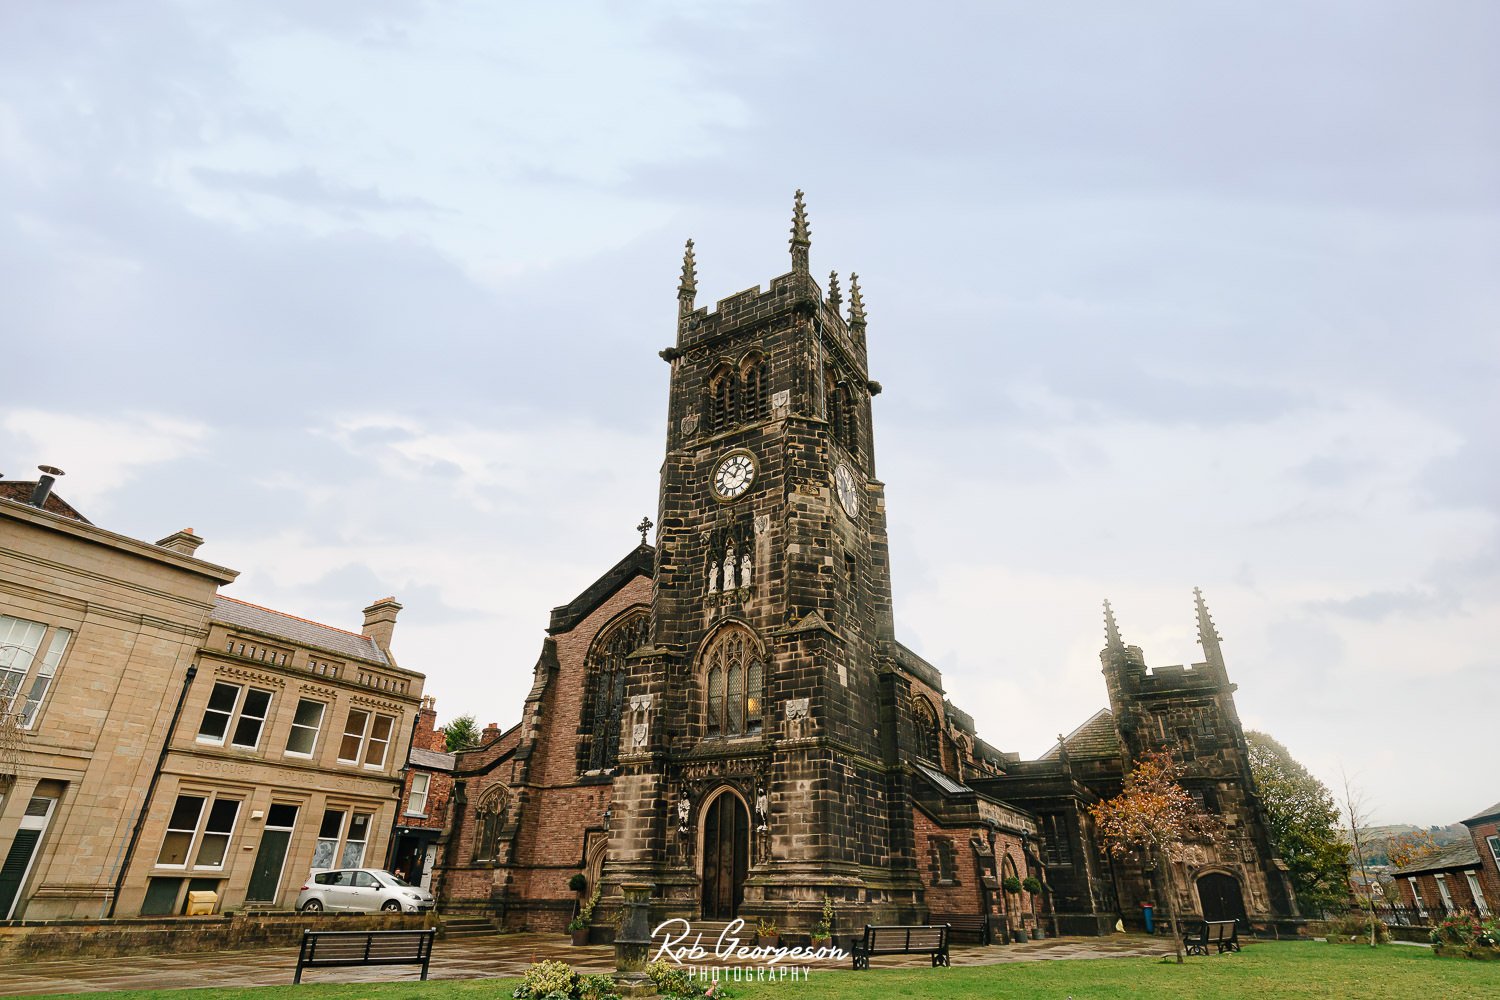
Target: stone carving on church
<point>684,810</point>
<point>796,717</point>
<point>729,569</point>
<point>713,574</point>
<point>762,523</point>
<point>762,811</point>
<point>747,574</point>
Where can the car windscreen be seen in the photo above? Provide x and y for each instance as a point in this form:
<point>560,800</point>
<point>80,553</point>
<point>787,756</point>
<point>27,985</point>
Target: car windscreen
<point>394,880</point>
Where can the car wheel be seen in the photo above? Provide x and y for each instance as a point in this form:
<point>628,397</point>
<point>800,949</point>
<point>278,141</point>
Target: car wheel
<point>311,906</point>
<point>391,906</point>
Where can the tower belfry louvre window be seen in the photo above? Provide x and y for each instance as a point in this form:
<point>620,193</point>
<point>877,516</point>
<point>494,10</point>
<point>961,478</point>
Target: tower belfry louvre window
<point>736,682</point>
<point>604,695</point>
<point>739,395</point>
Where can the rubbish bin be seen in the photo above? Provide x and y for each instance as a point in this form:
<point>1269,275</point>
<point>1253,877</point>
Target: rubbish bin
<point>1147,911</point>
<point>201,903</point>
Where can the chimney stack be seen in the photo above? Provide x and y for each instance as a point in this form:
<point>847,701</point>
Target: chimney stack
<point>380,621</point>
<point>428,736</point>
<point>183,542</point>
<point>44,485</point>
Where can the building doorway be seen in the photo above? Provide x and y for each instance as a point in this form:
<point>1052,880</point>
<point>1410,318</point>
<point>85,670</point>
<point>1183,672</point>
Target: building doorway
<point>1220,897</point>
<point>726,856</point>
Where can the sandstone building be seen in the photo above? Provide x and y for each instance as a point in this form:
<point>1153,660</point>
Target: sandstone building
<point>729,716</point>
<point>164,738</point>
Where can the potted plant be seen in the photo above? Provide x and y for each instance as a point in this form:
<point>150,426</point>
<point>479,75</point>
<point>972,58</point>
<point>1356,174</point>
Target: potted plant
<point>579,925</point>
<point>766,933</point>
<point>1011,883</point>
<point>822,931</point>
<point>578,882</point>
<point>1033,887</point>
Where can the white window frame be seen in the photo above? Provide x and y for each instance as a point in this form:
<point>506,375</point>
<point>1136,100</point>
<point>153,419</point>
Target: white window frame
<point>412,808</point>
<point>1494,843</point>
<point>366,738</point>
<point>335,840</point>
<point>317,730</point>
<point>199,832</point>
<point>21,640</point>
<point>234,710</point>
<point>1444,896</point>
<point>1477,891</point>
<point>240,716</point>
<point>1416,891</point>
<point>349,841</point>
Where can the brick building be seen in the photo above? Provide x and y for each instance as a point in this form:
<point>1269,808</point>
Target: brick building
<point>729,716</point>
<point>1459,877</point>
<point>425,792</point>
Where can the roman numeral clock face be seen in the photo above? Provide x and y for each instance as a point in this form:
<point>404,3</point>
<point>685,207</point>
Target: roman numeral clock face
<point>734,475</point>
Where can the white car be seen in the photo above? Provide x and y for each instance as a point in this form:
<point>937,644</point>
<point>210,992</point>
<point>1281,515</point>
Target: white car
<point>366,890</point>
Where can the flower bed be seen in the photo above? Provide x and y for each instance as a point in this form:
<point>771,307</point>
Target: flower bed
<point>1465,935</point>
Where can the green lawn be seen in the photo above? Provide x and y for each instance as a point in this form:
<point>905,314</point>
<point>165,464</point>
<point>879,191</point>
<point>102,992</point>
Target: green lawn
<point>1264,969</point>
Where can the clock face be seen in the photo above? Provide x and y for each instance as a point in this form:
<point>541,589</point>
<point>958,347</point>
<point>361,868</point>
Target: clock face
<point>848,490</point>
<point>734,475</point>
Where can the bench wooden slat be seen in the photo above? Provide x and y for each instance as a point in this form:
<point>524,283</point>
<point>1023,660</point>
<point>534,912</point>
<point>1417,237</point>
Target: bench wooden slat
<point>344,949</point>
<point>903,939</point>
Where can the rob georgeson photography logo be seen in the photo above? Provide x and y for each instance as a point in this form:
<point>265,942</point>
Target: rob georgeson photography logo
<point>727,957</point>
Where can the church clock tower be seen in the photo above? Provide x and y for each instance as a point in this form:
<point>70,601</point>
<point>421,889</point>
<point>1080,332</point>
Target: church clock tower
<point>756,774</point>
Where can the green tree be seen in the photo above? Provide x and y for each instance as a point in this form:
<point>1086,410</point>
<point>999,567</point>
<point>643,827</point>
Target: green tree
<point>462,733</point>
<point>1304,826</point>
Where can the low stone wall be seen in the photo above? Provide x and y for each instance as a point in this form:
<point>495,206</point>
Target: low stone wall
<point>47,940</point>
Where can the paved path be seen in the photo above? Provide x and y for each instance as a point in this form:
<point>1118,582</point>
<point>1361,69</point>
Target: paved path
<point>466,958</point>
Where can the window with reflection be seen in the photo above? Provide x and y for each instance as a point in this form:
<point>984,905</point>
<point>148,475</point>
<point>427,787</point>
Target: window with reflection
<point>735,683</point>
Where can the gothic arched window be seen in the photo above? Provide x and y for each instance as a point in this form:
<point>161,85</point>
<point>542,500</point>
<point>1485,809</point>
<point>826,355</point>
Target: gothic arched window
<point>755,389</point>
<point>604,692</point>
<point>736,684</point>
<point>925,725</point>
<point>723,397</point>
<point>489,820</point>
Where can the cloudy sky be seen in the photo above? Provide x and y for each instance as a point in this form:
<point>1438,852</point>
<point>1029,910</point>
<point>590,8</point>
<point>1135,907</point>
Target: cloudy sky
<point>1162,296</point>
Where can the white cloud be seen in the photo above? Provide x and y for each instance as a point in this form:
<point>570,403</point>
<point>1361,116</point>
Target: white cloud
<point>101,453</point>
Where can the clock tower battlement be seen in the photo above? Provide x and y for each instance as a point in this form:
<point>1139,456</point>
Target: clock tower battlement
<point>769,674</point>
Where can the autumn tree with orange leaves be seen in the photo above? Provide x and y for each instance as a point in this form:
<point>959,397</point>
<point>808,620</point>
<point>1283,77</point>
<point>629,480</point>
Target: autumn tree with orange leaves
<point>1155,819</point>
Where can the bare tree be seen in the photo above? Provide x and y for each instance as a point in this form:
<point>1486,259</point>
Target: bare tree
<point>1359,819</point>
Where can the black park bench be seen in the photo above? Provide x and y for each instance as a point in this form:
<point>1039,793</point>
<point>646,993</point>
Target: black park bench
<point>1223,934</point>
<point>967,927</point>
<point>914,939</point>
<point>343,949</point>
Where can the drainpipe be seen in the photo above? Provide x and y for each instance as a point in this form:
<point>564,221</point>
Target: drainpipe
<point>140,820</point>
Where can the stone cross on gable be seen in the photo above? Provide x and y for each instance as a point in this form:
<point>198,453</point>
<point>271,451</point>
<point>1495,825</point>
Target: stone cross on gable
<point>644,527</point>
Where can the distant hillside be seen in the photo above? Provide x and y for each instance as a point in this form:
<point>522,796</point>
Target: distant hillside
<point>1377,839</point>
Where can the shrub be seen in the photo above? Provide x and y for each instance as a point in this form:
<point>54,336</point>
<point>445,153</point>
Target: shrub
<point>824,927</point>
<point>765,927</point>
<point>578,882</point>
<point>585,912</point>
<point>1031,884</point>
<point>547,980</point>
<point>557,981</point>
<point>1461,929</point>
<point>670,980</point>
<point>1011,883</point>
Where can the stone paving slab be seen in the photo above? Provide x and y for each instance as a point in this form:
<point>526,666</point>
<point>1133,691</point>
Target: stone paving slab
<point>465,958</point>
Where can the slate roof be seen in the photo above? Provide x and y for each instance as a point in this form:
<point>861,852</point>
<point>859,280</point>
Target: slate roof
<point>1095,738</point>
<point>1460,855</point>
<point>433,760</point>
<point>945,783</point>
<point>640,561</point>
<point>1493,810</point>
<point>20,491</point>
<point>299,630</point>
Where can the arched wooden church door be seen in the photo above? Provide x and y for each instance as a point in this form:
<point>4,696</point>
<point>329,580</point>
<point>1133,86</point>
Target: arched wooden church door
<point>726,856</point>
<point>1220,897</point>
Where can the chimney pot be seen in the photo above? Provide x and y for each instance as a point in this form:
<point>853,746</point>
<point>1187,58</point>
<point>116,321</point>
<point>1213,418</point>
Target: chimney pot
<point>44,485</point>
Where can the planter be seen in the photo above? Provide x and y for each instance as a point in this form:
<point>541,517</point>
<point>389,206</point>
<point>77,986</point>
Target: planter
<point>821,942</point>
<point>580,937</point>
<point>768,940</point>
<point>1019,936</point>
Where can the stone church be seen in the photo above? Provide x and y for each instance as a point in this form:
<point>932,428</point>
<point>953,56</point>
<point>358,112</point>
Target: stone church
<point>729,716</point>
